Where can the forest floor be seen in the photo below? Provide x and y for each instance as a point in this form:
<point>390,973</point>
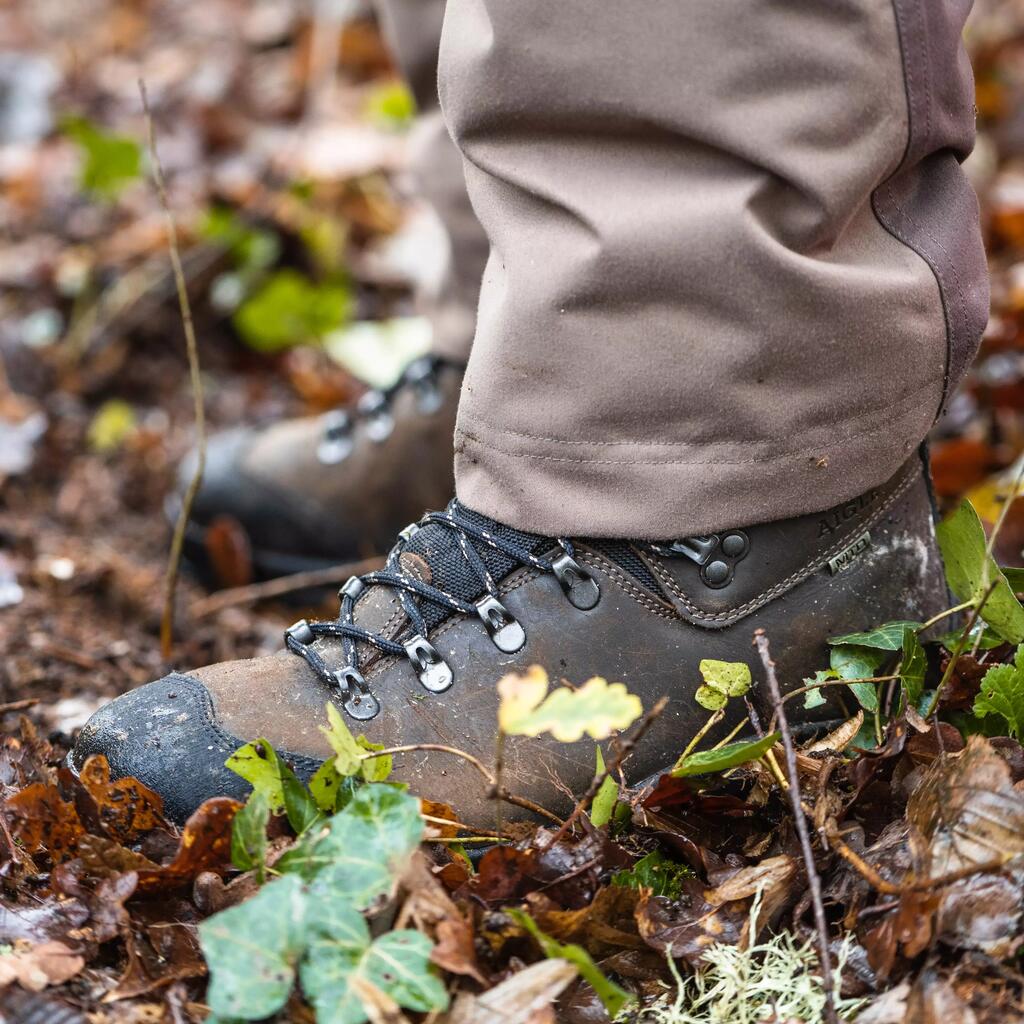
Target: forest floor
<point>285,159</point>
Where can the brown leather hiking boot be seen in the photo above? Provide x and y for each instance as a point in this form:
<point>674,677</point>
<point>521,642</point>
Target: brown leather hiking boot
<point>417,650</point>
<point>330,489</point>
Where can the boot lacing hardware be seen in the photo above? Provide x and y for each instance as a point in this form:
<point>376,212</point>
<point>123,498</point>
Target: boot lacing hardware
<point>374,410</point>
<point>433,672</point>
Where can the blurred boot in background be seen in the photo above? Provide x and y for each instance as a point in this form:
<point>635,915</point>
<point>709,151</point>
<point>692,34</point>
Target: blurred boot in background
<point>323,490</point>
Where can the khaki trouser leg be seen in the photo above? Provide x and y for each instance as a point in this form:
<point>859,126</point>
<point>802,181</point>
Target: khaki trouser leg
<point>735,267</point>
<point>413,30</point>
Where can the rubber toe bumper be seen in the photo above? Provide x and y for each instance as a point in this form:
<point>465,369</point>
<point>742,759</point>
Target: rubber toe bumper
<point>164,735</point>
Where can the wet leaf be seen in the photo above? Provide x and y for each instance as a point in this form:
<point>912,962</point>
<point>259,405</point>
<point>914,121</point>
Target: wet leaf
<point>205,845</point>
<point>126,807</point>
<point>851,662</point>
<point>597,709</point>
<point>364,847</point>
<point>49,963</point>
<point>704,762</point>
<point>889,637</point>
<point>42,820</point>
<point>611,995</point>
<point>252,951</point>
<point>340,952</point>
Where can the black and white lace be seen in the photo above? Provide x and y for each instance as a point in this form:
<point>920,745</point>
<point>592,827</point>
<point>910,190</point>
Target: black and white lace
<point>424,604</point>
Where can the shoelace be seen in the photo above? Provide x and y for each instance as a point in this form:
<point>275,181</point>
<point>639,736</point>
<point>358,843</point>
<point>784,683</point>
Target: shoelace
<point>434,674</point>
<point>374,410</point>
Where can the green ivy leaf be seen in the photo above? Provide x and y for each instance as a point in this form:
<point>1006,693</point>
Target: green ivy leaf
<point>704,762</point>
<point>257,763</point>
<point>985,638</point>
<point>347,752</point>
<point>816,697</point>
<point>364,846</point>
<point>252,949</point>
<point>604,802</point>
<point>851,662</point>
<point>886,638</point>
<point>249,833</point>
<point>613,997</point>
<point>375,769</point>
<point>299,805</point>
<point>1002,693</point>
<point>913,666</point>
<point>655,872</point>
<point>1015,577</point>
<point>969,572</point>
<point>330,790</point>
<point>397,963</point>
<point>722,680</point>
<point>110,161</point>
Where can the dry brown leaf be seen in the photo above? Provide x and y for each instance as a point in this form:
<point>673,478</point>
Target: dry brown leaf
<point>126,808</point>
<point>49,963</point>
<point>517,999</point>
<point>43,820</point>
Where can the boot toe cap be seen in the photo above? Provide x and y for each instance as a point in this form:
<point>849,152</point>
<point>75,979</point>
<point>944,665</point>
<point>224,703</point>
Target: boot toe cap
<point>164,734</point>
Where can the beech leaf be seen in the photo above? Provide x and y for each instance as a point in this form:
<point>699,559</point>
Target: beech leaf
<point>597,709</point>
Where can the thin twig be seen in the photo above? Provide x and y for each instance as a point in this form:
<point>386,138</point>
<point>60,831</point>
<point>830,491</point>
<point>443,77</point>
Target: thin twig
<point>761,642</point>
<point>497,793</point>
<point>311,578</point>
<point>178,539</point>
<point>19,705</point>
<point>625,748</point>
<point>877,882</point>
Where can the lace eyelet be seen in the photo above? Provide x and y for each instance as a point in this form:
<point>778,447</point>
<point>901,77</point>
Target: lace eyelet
<point>432,670</point>
<point>336,444</point>
<point>379,423</point>
<point>352,587</point>
<point>577,584</point>
<point>300,632</point>
<point>504,630</point>
<point>422,377</point>
<point>356,698</point>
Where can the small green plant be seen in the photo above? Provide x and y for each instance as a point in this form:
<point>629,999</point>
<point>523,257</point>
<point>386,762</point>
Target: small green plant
<point>1002,694</point>
<point>656,872</point>
<point>109,161</point>
<point>309,921</point>
<point>290,309</point>
<point>391,105</point>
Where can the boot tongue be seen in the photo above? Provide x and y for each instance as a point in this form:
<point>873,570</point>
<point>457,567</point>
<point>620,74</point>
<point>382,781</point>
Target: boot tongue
<point>434,555</point>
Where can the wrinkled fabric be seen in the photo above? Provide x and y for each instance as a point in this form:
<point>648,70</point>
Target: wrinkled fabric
<point>735,267</point>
